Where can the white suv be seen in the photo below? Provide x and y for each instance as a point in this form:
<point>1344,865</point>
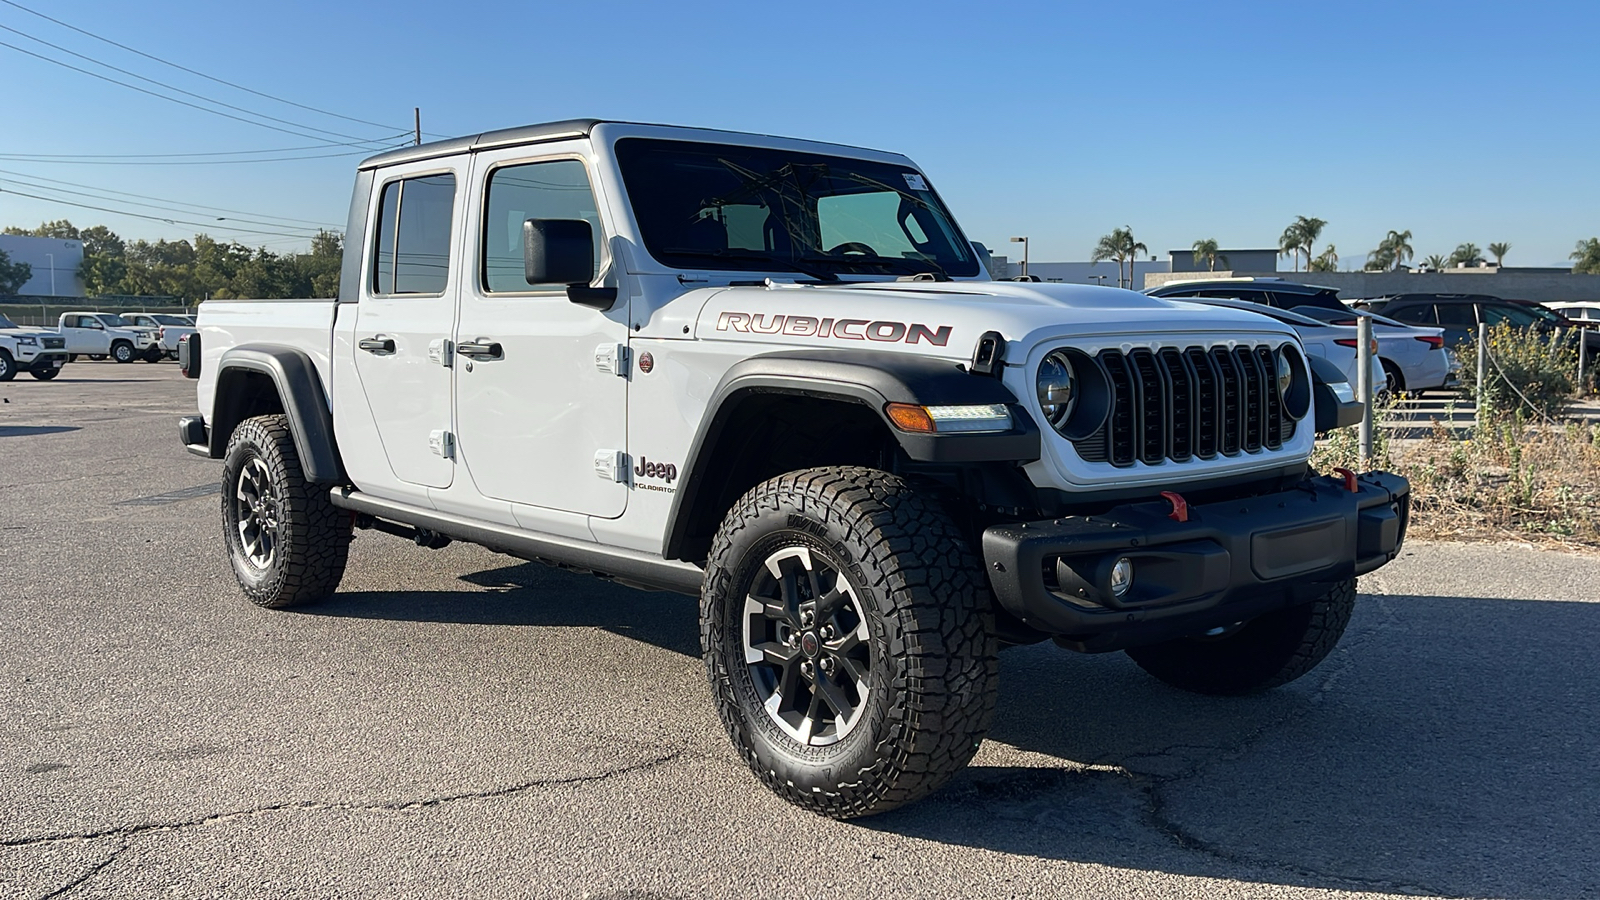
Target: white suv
<point>39,352</point>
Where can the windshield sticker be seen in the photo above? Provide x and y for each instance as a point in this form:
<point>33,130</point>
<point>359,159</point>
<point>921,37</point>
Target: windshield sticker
<point>916,182</point>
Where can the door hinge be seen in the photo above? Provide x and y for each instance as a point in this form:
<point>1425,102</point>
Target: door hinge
<point>442,443</point>
<point>612,358</point>
<point>611,465</point>
<point>442,351</point>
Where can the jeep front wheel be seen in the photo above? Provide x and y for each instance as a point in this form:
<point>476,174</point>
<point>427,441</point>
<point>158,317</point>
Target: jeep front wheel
<point>288,543</point>
<point>1264,652</point>
<point>847,635</point>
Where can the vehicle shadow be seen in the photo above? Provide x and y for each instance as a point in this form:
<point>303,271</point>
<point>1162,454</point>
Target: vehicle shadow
<point>536,594</point>
<point>1450,747</point>
<point>31,430</point>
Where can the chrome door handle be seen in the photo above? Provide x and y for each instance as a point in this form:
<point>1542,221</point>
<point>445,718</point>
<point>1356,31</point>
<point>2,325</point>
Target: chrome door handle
<point>481,349</point>
<point>376,345</point>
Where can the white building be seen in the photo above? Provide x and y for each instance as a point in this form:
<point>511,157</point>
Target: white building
<point>55,264</point>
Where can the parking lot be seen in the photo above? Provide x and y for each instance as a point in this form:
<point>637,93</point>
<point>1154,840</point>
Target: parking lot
<point>461,724</point>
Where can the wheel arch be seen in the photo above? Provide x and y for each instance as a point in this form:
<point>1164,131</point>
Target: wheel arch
<point>263,379</point>
<point>764,398</point>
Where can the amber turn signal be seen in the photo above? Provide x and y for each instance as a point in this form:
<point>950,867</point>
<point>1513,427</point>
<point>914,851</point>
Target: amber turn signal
<point>910,417</point>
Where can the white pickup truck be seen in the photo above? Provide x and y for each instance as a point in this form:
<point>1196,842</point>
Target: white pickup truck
<point>773,374</point>
<point>98,335</point>
<point>168,328</point>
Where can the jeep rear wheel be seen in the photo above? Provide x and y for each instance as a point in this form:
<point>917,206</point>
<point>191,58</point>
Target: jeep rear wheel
<point>288,543</point>
<point>848,638</point>
<point>1262,653</point>
<point>122,352</point>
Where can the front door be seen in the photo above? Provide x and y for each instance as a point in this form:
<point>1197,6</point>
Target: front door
<point>535,416</point>
<point>85,334</point>
<point>406,309</point>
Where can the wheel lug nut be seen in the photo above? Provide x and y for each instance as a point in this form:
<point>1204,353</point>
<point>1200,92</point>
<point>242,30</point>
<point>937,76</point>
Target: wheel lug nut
<point>806,669</point>
<point>793,640</point>
<point>827,665</point>
<point>827,632</point>
<point>806,617</point>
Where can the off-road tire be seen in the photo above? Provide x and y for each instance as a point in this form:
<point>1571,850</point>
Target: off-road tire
<point>45,374</point>
<point>8,366</point>
<point>122,352</point>
<point>927,606</point>
<point>312,536</point>
<point>1263,653</point>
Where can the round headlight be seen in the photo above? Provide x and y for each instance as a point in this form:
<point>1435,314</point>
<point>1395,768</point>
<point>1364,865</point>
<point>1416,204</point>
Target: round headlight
<point>1285,371</point>
<point>1057,388</point>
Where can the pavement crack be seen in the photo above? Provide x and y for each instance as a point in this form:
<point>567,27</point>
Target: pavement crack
<point>321,806</point>
<point>84,878</point>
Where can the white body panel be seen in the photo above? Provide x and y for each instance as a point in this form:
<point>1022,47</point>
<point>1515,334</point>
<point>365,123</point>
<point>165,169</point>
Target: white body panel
<point>305,325</point>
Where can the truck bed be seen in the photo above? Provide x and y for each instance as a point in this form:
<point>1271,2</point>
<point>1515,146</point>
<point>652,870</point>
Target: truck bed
<point>306,325</point>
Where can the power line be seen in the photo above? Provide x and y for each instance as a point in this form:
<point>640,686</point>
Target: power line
<point>192,162</point>
<point>141,90</point>
<point>176,209</point>
<point>174,65</point>
<point>123,212</point>
<point>51,156</point>
<point>27,177</point>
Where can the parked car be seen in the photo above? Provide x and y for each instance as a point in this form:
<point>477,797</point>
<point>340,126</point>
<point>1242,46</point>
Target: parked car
<point>37,351</point>
<point>1460,314</point>
<point>1584,313</point>
<point>772,374</point>
<point>1337,344</point>
<point>98,335</point>
<point>1274,292</point>
<point>169,328</point>
<point>1414,358</point>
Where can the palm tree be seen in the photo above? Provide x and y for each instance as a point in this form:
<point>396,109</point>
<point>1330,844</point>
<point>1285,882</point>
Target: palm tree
<point>1436,262</point>
<point>1289,244</point>
<point>1466,254</point>
<point>1205,250</point>
<point>1308,230</point>
<point>1399,247</point>
<point>1120,246</point>
<point>1586,257</point>
<point>1326,261</point>
<point>1499,251</point>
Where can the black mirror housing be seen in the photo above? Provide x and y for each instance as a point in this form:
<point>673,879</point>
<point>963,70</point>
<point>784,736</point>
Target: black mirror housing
<point>557,251</point>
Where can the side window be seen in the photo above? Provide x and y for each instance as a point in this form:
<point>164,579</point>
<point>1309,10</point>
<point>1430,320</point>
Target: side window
<point>1457,315</point>
<point>1421,314</point>
<point>558,189</point>
<point>412,241</point>
<point>1519,318</point>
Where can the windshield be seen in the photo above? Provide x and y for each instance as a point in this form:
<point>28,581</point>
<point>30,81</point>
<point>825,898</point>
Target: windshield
<point>170,320</point>
<point>7,323</point>
<point>111,321</point>
<point>1282,315</point>
<point>713,206</point>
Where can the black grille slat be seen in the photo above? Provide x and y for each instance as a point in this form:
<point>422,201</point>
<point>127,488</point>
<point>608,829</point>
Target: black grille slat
<point>1185,403</point>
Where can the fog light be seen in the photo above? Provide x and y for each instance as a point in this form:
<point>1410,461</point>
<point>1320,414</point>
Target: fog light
<point>1121,577</point>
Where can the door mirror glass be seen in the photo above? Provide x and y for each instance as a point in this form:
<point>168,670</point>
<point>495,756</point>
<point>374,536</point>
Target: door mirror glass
<point>557,251</point>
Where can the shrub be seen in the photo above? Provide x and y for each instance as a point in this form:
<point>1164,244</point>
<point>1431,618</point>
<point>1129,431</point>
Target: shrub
<point>1543,369</point>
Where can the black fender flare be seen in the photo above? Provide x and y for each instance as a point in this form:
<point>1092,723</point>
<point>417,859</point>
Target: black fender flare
<point>1329,412</point>
<point>870,378</point>
<point>299,390</point>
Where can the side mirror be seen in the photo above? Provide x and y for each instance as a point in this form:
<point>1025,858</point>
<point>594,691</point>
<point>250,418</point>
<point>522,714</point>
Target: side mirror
<point>561,251</point>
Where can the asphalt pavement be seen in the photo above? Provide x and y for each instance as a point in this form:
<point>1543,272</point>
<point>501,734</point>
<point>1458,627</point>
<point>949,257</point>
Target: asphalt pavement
<point>461,724</point>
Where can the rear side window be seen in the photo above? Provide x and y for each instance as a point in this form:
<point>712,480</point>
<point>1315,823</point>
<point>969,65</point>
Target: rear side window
<point>558,189</point>
<point>412,241</point>
<point>1420,314</point>
<point>1458,315</point>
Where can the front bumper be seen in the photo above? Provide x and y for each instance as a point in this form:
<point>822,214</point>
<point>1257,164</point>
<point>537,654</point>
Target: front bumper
<point>1230,561</point>
<point>48,359</point>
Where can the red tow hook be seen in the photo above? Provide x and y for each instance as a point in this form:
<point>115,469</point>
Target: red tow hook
<point>1349,480</point>
<point>1180,506</point>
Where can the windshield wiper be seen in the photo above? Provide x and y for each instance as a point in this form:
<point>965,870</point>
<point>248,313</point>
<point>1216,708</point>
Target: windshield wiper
<point>792,265</point>
<point>906,264</point>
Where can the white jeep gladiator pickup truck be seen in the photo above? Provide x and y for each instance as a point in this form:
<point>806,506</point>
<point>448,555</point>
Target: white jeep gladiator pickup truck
<point>773,374</point>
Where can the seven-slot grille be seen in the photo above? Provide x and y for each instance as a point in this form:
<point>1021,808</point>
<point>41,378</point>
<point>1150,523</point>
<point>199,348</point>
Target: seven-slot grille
<point>1182,404</point>
<point>51,343</point>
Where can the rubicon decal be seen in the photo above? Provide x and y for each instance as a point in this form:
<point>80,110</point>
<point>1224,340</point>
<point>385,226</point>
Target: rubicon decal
<point>839,329</point>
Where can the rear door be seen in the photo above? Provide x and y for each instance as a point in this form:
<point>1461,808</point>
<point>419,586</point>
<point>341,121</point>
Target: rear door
<point>405,312</point>
<point>1457,320</point>
<point>545,414</point>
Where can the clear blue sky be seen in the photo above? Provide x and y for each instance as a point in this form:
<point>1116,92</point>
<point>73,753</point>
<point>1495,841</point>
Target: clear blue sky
<point>1462,121</point>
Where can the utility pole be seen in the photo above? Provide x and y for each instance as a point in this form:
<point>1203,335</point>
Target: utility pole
<point>417,112</point>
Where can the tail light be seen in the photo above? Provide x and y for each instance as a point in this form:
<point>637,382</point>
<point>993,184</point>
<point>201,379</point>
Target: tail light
<point>161,334</point>
<point>1351,342</point>
<point>1434,341</point>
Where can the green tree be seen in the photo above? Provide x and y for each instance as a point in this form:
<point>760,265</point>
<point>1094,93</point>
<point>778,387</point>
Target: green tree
<point>1499,252</point>
<point>1399,244</point>
<point>13,275</point>
<point>1206,251</point>
<point>1586,258</point>
<point>1289,245</point>
<point>1436,262</point>
<point>60,228</point>
<point>1326,261</point>
<point>1120,246</point>
<point>1466,254</point>
<point>1308,231</point>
